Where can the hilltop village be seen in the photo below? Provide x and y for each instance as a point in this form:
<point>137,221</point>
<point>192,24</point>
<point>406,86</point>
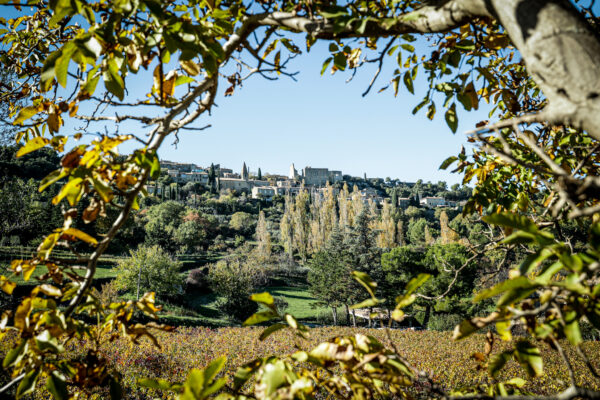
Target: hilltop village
<point>217,179</point>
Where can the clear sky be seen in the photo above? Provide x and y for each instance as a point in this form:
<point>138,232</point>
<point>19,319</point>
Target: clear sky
<point>318,121</point>
<point>322,121</point>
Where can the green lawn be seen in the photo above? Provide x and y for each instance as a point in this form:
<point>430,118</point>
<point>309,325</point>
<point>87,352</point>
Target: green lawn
<point>202,309</point>
<point>102,272</point>
<point>301,303</point>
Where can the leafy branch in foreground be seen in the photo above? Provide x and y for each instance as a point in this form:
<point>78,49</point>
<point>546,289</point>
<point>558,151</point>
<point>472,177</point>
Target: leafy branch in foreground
<point>60,51</point>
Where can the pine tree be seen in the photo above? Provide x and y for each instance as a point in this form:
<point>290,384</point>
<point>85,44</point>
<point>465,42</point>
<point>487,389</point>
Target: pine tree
<point>212,178</point>
<point>329,275</point>
<point>429,240</point>
<point>364,253</point>
<point>244,172</point>
<point>394,199</point>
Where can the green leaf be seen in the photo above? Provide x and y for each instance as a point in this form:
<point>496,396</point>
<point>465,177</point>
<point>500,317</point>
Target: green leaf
<point>245,372</point>
<point>464,329</point>
<point>15,355</point>
<point>519,282</point>
<point>44,341</point>
<point>451,118</point>
<point>339,61</point>
<point>366,304</point>
<point>448,161</point>
<point>259,317</point>
<point>32,145</point>
<point>408,82</point>
<point>571,329</point>
<point>27,385</point>
<point>326,64</point>
<point>57,386</point>
<point>152,383</point>
<point>518,382</point>
<point>112,80</point>
<point>61,67</point>
<point>512,220</point>
<point>529,357</point>
<point>365,280</point>
<point>211,371</point>
<point>62,8</point>
<point>498,361</point>
<point>416,283</point>
<point>271,329</point>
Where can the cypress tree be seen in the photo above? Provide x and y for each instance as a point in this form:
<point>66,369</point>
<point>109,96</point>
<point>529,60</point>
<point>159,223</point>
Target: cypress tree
<point>259,174</point>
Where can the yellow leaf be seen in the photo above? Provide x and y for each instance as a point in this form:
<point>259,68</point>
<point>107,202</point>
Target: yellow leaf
<point>25,267</point>
<point>32,145</point>
<point>71,189</point>
<point>22,314</point>
<point>54,122</point>
<point>47,245</point>
<point>50,290</point>
<point>190,67</point>
<point>25,114</point>
<point>6,285</point>
<point>81,235</point>
<point>169,84</point>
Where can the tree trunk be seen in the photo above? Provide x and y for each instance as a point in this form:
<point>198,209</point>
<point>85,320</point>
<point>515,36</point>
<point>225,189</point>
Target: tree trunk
<point>427,315</point>
<point>347,314</point>
<point>354,318</point>
<point>334,313</point>
<point>562,54</point>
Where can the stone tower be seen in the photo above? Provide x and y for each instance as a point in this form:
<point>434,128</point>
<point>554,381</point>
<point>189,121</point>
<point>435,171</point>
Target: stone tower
<point>293,174</point>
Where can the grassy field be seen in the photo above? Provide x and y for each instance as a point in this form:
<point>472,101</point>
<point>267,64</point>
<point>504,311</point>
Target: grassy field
<point>202,309</point>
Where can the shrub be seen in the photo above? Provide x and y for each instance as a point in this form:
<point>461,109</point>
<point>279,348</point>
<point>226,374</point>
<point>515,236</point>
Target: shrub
<point>234,280</point>
<point>197,280</point>
<point>444,322</point>
<point>153,269</point>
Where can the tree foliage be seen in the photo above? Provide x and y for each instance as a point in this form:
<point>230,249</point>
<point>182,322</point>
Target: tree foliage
<point>150,269</point>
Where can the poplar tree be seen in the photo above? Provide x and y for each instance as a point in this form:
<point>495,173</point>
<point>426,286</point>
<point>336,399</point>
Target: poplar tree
<point>447,234</point>
<point>343,197</point>
<point>263,237</point>
<point>300,223</point>
<point>286,227</point>
<point>386,237</point>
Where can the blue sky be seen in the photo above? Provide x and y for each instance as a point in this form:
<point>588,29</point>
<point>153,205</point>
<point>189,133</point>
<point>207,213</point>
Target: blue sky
<point>322,121</point>
<point>318,121</point>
